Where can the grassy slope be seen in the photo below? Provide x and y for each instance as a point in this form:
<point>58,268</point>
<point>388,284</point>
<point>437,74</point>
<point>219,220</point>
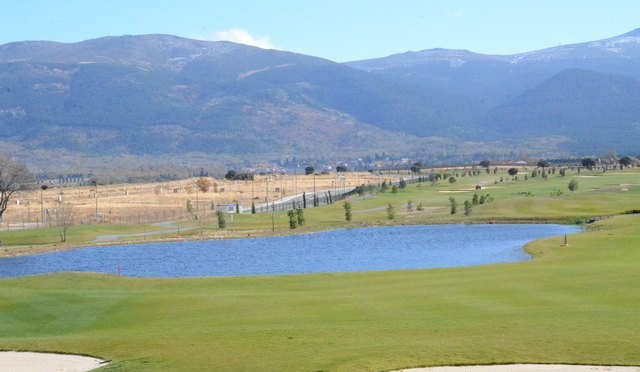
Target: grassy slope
<point>575,304</point>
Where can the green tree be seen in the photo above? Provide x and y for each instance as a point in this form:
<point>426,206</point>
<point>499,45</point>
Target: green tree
<point>485,164</point>
<point>475,200</point>
<point>512,171</point>
<point>420,207</point>
<point>573,185</point>
<point>543,163</point>
<point>391,212</point>
<point>189,206</point>
<point>453,204</point>
<point>625,161</point>
<point>309,170</point>
<point>416,167</point>
<point>394,189</point>
<point>231,175</point>
<point>341,168</point>
<point>452,180</point>
<point>467,208</point>
<point>222,222</point>
<point>589,163</point>
<point>293,222</point>
<point>300,217</point>
<point>253,208</point>
<point>347,210</point>
<point>402,184</point>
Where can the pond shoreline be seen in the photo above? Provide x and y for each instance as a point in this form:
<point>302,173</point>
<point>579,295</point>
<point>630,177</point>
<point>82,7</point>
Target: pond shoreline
<point>371,248</point>
<point>27,250</point>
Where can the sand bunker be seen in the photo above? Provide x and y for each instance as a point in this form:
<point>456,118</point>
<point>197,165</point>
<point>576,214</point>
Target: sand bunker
<point>41,362</point>
<point>526,368</point>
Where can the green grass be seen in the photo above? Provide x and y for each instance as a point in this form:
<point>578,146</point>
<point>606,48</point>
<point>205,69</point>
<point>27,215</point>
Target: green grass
<point>76,234</point>
<point>577,304</point>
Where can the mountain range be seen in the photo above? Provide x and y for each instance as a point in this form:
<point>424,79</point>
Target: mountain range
<point>163,96</point>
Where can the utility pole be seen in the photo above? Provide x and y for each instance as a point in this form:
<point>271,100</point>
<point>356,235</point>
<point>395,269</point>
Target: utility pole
<point>42,188</point>
<point>95,183</point>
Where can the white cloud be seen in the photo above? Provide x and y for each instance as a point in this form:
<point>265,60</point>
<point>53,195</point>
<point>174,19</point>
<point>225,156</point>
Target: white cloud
<point>241,36</point>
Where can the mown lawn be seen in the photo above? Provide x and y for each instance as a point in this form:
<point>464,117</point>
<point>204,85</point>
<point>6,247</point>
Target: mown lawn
<point>576,304</point>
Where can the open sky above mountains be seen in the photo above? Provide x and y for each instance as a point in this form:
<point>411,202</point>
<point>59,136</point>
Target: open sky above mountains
<point>333,29</point>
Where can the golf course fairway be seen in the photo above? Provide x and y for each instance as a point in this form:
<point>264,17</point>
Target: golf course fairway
<point>574,305</point>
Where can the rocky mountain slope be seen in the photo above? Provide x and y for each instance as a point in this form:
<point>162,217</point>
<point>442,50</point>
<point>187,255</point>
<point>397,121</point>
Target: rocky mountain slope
<point>161,95</point>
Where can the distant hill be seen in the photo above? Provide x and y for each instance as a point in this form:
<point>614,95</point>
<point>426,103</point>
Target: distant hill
<point>570,91</point>
<point>165,96</point>
<point>159,94</point>
<point>589,109</point>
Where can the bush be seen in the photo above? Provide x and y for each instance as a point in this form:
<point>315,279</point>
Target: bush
<point>293,222</point>
<point>222,223</point>
<point>347,211</point>
<point>391,212</point>
<point>300,216</point>
<point>573,185</point>
<point>467,208</point>
<point>454,205</point>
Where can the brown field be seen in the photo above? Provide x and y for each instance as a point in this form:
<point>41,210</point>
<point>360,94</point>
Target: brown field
<point>166,201</point>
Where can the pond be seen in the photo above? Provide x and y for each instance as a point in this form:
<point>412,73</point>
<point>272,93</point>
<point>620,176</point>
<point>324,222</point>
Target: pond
<point>344,250</point>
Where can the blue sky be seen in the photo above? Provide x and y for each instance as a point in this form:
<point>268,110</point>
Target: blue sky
<point>340,30</point>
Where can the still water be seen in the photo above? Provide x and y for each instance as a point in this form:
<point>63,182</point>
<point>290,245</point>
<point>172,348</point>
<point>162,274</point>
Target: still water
<point>360,249</point>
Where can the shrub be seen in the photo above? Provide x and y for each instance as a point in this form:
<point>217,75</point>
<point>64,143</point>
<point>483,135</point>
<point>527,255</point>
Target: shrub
<point>573,185</point>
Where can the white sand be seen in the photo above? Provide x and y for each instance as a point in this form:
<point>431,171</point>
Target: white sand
<point>526,368</point>
<point>12,361</point>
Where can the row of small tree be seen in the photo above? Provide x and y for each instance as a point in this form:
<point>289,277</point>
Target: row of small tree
<point>469,204</point>
<point>296,218</point>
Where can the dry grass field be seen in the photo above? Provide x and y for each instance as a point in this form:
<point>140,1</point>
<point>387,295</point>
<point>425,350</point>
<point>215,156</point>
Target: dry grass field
<point>167,201</point>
